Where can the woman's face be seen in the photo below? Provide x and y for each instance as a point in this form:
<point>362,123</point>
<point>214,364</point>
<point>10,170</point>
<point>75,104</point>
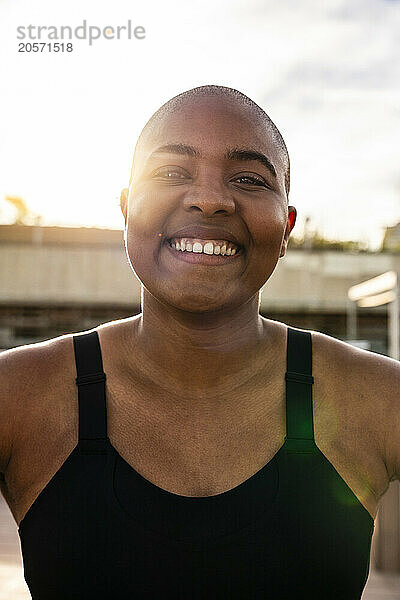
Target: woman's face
<point>172,189</point>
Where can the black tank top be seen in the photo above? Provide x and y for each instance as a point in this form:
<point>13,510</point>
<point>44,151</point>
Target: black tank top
<point>101,530</point>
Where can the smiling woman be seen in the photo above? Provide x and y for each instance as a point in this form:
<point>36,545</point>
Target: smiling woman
<point>208,157</point>
<point>196,473</point>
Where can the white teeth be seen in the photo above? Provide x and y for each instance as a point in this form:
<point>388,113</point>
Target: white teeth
<point>207,247</point>
<point>197,247</point>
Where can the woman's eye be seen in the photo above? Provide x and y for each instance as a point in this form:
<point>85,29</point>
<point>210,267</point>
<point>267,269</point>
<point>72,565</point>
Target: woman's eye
<point>169,174</point>
<point>255,180</point>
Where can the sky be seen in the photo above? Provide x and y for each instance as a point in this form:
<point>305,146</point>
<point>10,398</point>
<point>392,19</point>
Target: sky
<point>326,72</point>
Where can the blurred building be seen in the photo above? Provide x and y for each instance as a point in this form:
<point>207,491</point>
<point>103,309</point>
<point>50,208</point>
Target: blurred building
<point>57,280</point>
<point>391,238</point>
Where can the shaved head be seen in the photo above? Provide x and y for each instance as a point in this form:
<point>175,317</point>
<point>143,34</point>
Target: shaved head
<point>191,95</point>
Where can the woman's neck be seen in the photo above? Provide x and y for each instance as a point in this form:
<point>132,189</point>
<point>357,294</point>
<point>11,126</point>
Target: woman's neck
<point>199,354</point>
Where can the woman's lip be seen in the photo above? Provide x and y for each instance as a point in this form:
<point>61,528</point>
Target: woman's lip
<point>200,258</point>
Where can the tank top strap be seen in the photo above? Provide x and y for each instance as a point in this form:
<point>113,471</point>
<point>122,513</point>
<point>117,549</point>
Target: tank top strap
<point>91,394</point>
<point>299,381</point>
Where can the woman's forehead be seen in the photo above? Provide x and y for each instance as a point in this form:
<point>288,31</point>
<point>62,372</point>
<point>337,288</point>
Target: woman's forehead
<point>202,135</point>
<point>215,120</point>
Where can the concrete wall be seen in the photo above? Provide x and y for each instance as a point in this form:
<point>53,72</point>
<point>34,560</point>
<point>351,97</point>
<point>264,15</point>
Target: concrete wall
<point>69,269</point>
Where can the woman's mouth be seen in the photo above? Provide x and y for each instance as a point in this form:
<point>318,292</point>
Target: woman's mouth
<point>204,252</point>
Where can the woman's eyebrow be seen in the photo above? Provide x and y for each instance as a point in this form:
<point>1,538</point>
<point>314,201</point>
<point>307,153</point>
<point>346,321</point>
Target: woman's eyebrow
<point>176,149</point>
<point>248,154</point>
<point>238,154</point>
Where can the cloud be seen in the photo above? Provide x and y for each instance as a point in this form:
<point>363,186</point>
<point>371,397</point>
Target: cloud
<point>328,73</point>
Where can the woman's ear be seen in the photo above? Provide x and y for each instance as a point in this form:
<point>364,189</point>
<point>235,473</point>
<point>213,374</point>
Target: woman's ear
<point>289,226</point>
<point>123,202</point>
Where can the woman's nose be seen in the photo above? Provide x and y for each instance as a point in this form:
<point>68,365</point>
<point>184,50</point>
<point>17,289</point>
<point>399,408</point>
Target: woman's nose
<point>209,200</point>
